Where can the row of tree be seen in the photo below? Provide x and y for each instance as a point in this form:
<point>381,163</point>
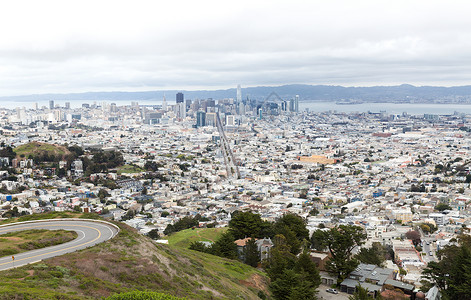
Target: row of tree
<point>452,274</point>
<point>292,273</point>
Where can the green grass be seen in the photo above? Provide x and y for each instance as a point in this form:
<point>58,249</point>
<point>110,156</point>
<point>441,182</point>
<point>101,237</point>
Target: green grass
<point>132,262</point>
<point>26,240</point>
<point>185,237</point>
<point>51,215</point>
<point>129,169</point>
<point>35,148</point>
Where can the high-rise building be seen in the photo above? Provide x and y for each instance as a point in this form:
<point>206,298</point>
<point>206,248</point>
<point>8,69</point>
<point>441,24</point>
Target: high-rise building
<point>180,97</point>
<point>51,104</point>
<point>210,119</point>
<point>296,104</point>
<point>284,106</point>
<point>67,105</point>
<point>181,110</point>
<point>239,94</point>
<point>113,107</point>
<point>230,120</point>
<point>164,104</point>
<point>291,105</point>
<point>200,119</point>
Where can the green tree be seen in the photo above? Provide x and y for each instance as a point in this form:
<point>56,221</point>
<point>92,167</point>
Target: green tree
<point>245,224</point>
<point>282,286</point>
<point>225,246</point>
<point>291,277</point>
<point>280,258</point>
<point>442,206</point>
<point>198,246</point>
<point>251,253</point>
<point>428,227</point>
<point>304,265</point>
<point>452,274</point>
<point>376,255</point>
<point>154,234</point>
<point>361,294</point>
<point>293,228</point>
<point>103,193</point>
<point>340,241</point>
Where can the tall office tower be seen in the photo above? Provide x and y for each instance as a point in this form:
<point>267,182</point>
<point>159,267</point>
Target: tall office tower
<point>230,120</point>
<point>67,105</point>
<point>113,107</point>
<point>164,104</point>
<point>239,94</point>
<point>188,103</point>
<point>241,109</point>
<point>181,110</point>
<point>36,106</point>
<point>260,113</point>
<point>296,104</point>
<point>51,104</point>
<point>211,102</point>
<point>180,98</point>
<point>291,105</point>
<point>200,118</point>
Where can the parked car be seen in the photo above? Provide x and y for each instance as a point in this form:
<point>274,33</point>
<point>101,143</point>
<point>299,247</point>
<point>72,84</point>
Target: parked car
<point>333,291</point>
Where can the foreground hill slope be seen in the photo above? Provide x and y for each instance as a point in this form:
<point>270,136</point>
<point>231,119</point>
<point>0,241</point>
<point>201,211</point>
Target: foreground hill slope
<point>129,262</point>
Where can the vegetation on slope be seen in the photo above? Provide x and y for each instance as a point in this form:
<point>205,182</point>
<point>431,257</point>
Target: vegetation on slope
<point>133,262</point>
<point>139,295</point>
<point>51,215</point>
<point>42,151</point>
<point>185,237</point>
<point>129,169</point>
<point>26,240</point>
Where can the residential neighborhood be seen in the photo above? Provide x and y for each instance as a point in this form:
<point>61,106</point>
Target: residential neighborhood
<point>152,165</point>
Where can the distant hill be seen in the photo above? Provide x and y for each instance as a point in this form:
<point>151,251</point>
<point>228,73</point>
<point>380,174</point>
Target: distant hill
<point>37,149</point>
<point>129,262</point>
<point>402,92</point>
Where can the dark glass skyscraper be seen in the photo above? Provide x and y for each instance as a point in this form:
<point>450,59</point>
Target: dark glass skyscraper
<point>180,98</point>
<point>200,118</point>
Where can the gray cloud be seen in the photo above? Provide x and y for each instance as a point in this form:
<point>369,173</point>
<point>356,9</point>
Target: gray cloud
<point>141,45</point>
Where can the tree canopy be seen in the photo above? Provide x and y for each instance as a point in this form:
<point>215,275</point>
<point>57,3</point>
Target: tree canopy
<point>340,241</point>
<point>452,274</point>
<point>376,255</point>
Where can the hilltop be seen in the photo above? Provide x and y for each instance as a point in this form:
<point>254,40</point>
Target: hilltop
<point>132,262</point>
<point>404,92</point>
<point>40,150</point>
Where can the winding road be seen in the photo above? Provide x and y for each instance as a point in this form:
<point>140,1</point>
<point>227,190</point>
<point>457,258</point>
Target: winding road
<point>90,232</point>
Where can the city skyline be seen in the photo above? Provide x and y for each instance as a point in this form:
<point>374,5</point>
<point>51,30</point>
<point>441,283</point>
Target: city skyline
<point>55,47</point>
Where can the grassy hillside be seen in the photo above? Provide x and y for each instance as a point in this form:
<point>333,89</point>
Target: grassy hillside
<point>129,169</point>
<point>51,215</point>
<point>37,149</point>
<point>185,237</point>
<point>129,262</point>
<point>27,240</point>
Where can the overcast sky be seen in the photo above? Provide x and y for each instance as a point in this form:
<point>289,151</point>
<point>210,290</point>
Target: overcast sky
<point>79,46</point>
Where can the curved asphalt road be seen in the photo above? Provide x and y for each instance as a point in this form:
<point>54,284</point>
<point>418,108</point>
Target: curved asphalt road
<point>89,233</point>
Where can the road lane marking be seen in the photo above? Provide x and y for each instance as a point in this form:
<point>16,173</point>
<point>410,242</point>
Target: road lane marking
<point>59,250</point>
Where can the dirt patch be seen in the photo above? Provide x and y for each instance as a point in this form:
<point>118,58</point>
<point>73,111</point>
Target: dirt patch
<point>30,273</point>
<point>256,281</point>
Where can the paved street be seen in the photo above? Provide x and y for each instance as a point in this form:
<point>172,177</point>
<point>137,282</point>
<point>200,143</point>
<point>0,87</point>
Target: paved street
<point>89,233</point>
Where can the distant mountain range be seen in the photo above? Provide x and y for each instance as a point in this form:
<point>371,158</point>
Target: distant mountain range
<point>404,92</point>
